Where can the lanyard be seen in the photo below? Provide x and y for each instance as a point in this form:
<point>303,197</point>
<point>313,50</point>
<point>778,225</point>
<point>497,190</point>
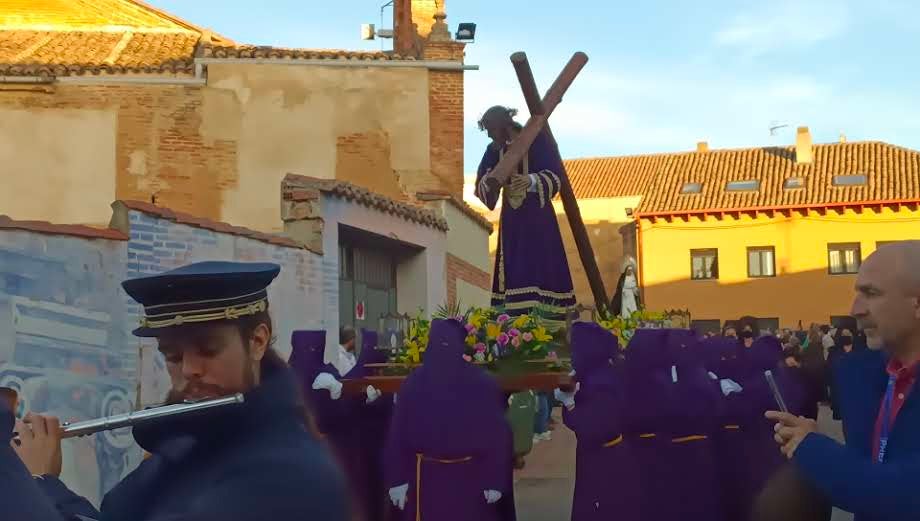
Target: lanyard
<point>886,419</point>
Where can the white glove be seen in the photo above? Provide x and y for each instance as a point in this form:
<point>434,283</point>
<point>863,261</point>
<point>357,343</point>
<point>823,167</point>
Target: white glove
<point>572,373</point>
<point>398,496</point>
<point>712,375</point>
<point>372,394</point>
<point>729,386</point>
<point>674,373</point>
<point>492,496</point>
<point>328,382</point>
<point>567,399</point>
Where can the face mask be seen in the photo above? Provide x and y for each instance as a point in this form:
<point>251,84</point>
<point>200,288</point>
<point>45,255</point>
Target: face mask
<point>845,341</point>
<point>747,334</point>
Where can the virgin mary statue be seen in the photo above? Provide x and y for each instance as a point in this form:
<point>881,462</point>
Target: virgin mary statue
<point>626,300</point>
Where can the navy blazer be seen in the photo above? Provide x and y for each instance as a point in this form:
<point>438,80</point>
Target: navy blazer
<point>849,475</point>
<point>243,463</point>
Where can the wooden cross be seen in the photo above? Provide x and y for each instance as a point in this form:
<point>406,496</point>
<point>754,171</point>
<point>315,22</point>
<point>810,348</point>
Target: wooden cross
<point>540,111</point>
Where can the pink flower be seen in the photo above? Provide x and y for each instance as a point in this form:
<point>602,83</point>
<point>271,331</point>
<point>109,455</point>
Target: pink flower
<point>504,317</point>
<point>528,336</point>
<point>480,347</point>
<point>552,356</point>
<point>503,339</point>
<point>468,358</point>
<point>470,329</point>
<point>516,341</point>
<point>514,332</point>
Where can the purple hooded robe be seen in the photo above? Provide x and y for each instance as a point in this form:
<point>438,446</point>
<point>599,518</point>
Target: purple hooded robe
<point>530,263</point>
<point>605,485</point>
<point>647,394</point>
<point>449,440</point>
<point>762,456</point>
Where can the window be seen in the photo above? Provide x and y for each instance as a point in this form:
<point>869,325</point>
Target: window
<point>767,324</point>
<point>706,326</point>
<point>750,185</point>
<point>691,188</point>
<point>794,182</point>
<point>704,264</point>
<point>849,180</point>
<point>843,258</point>
<point>761,262</point>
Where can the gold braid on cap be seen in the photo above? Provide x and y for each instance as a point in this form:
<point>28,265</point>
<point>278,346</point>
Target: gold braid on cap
<point>204,315</point>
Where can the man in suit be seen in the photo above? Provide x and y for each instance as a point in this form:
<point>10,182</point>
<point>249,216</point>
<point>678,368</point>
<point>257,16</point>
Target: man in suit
<point>875,475</point>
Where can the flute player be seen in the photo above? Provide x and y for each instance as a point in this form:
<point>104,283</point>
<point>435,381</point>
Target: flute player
<point>256,460</point>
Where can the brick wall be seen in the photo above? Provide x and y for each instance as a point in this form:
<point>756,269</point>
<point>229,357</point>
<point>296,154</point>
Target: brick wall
<point>445,102</point>
<point>458,269</point>
<point>159,149</point>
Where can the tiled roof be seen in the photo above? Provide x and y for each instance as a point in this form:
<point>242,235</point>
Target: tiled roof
<point>892,173</point>
<point>282,53</point>
<point>75,37</point>
<point>459,204</point>
<point>87,232</point>
<point>207,224</point>
<point>366,198</point>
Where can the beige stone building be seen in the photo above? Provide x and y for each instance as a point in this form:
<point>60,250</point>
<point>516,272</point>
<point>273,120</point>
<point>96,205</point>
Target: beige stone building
<point>117,100</point>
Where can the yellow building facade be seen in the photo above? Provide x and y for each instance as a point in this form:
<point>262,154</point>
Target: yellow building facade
<point>782,267</point>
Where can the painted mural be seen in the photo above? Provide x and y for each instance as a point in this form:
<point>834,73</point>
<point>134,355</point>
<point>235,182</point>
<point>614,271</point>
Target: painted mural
<point>65,348</point>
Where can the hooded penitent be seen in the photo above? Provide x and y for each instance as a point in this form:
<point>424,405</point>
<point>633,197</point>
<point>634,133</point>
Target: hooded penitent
<point>449,440</point>
<point>605,482</point>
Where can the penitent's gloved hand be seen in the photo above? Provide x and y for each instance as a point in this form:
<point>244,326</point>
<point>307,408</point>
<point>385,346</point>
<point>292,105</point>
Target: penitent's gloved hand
<point>398,496</point>
<point>492,496</point>
<point>328,382</point>
<point>729,386</point>
<point>372,394</point>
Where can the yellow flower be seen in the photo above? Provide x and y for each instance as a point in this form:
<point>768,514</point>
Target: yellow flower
<point>471,340</point>
<point>540,334</point>
<point>493,330</point>
<point>413,355</point>
<point>476,319</point>
<point>520,321</point>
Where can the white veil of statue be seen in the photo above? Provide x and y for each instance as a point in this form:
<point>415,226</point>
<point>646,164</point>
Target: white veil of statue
<point>627,295</point>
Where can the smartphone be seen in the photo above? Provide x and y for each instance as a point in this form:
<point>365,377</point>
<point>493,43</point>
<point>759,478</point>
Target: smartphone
<point>776,394</point>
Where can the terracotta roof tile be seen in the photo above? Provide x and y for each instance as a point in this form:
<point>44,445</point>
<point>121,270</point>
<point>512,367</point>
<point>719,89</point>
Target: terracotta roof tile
<point>281,53</point>
<point>207,224</point>
<point>363,197</point>
<point>76,230</point>
<point>459,204</point>
<point>65,53</point>
<point>892,173</point>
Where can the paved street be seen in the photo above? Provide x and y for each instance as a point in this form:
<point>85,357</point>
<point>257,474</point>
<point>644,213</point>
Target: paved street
<point>543,489</point>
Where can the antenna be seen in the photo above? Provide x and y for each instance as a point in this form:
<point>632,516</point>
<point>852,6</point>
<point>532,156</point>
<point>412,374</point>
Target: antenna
<point>775,125</point>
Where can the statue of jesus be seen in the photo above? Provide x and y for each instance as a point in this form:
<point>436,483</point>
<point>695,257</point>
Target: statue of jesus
<point>531,269</point>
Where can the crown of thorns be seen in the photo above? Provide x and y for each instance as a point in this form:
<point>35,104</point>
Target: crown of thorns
<point>497,110</point>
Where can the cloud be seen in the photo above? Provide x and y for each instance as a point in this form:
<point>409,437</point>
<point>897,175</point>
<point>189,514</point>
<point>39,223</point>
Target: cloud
<point>784,25</point>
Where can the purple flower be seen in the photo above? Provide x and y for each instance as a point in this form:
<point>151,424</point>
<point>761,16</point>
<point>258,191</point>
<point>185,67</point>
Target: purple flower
<point>504,317</point>
<point>503,339</point>
<point>514,332</point>
<point>552,356</point>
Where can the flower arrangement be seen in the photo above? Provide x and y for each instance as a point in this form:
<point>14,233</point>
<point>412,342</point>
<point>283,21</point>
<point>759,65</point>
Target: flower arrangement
<point>624,328</point>
<point>493,337</point>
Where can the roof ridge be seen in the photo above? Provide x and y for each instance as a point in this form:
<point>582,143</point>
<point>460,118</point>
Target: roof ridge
<point>180,21</point>
<point>736,149</point>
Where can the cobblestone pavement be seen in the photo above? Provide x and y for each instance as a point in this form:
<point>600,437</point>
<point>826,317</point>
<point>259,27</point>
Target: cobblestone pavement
<point>543,489</point>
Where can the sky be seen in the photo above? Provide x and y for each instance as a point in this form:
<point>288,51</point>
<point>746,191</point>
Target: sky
<point>662,74</point>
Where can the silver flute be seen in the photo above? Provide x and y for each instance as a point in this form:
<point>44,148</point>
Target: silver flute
<point>85,428</point>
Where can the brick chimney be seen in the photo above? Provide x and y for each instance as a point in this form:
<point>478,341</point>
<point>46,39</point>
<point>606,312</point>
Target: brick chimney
<point>702,146</point>
<point>803,147</point>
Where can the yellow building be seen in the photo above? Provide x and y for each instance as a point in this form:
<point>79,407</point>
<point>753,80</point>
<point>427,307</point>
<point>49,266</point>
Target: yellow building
<point>775,232</point>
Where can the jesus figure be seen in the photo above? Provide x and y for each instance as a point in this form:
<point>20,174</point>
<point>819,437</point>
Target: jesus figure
<point>531,270</point>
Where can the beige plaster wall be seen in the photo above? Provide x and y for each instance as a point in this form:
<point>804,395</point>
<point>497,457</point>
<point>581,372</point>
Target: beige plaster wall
<point>466,239</point>
<point>291,118</point>
<point>57,165</point>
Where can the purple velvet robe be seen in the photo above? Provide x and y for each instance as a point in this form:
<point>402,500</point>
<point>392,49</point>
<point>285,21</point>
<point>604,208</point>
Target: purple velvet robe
<point>762,455</point>
<point>365,445</point>
<point>530,263</point>
<point>605,484</point>
<point>449,440</point>
<point>693,418</point>
<point>647,394</point>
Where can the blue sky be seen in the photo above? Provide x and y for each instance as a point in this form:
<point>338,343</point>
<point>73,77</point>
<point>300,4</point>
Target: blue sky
<point>662,75</point>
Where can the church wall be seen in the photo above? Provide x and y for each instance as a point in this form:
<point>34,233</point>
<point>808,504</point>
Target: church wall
<point>802,288</point>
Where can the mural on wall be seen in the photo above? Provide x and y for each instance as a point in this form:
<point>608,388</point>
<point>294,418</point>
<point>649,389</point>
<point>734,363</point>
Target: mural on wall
<point>64,347</point>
